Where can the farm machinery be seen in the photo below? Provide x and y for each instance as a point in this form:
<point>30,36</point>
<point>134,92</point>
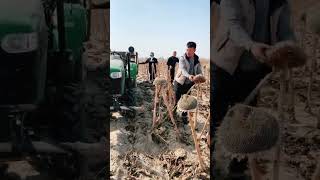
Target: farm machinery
<point>42,77</point>
<point>123,75</point>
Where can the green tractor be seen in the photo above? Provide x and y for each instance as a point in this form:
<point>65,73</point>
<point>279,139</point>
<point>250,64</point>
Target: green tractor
<point>41,75</point>
<point>123,75</point>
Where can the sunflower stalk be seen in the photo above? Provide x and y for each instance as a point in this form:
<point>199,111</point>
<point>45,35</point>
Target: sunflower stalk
<point>281,102</point>
<point>195,139</point>
<point>318,119</point>
<point>311,73</point>
<point>197,109</point>
<point>154,118</point>
<point>170,89</point>
<point>256,174</point>
<point>205,125</point>
<point>255,91</point>
<point>291,106</point>
<point>170,112</point>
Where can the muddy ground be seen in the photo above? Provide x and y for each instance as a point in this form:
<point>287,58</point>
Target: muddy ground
<point>137,153</point>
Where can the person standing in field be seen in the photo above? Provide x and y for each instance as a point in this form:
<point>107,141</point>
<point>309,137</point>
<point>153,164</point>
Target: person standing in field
<point>152,61</point>
<point>171,63</point>
<point>247,28</point>
<point>189,67</point>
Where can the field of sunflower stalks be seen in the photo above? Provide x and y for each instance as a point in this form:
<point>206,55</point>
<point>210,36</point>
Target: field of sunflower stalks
<point>156,144</point>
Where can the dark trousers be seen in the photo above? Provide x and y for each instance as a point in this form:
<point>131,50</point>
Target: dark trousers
<point>227,90</point>
<point>152,72</point>
<point>152,76</point>
<point>172,74</point>
<point>179,89</point>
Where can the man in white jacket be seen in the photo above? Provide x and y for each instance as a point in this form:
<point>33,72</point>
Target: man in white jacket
<point>189,66</point>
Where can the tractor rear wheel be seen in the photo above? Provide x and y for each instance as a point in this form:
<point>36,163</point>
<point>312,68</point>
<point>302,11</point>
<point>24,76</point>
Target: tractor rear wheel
<point>80,67</point>
<point>131,99</point>
<point>72,114</point>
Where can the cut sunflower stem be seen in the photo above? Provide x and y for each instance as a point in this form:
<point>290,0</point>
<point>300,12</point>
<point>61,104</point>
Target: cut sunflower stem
<point>160,137</point>
<point>318,119</point>
<point>154,118</point>
<point>195,139</point>
<point>170,90</point>
<point>254,169</point>
<point>311,69</point>
<point>255,91</point>
<point>291,106</point>
<point>205,125</point>
<point>159,110</point>
<point>197,109</point>
<point>281,100</point>
<point>303,38</point>
<point>170,112</point>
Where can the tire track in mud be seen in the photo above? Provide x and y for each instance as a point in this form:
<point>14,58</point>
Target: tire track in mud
<point>134,124</point>
<point>135,136</point>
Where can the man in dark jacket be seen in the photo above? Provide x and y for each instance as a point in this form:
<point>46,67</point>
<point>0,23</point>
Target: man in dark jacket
<point>152,61</point>
<point>247,28</point>
<point>171,63</point>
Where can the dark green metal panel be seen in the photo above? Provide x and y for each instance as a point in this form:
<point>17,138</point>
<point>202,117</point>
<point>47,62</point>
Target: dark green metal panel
<point>19,20</point>
<point>76,27</point>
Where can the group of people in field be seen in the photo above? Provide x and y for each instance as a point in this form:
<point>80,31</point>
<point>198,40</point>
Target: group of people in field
<point>189,67</point>
<point>152,61</point>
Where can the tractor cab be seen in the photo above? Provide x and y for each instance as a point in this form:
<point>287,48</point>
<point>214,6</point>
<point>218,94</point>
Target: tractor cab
<point>22,52</point>
<point>41,74</point>
<point>123,75</point>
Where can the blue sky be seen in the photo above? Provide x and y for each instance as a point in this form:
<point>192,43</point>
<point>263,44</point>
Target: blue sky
<point>161,26</point>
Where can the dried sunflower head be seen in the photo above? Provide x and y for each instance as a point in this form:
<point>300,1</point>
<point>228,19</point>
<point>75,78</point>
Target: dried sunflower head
<point>247,130</point>
<point>286,53</point>
<point>187,103</point>
<point>199,79</point>
<point>160,82</point>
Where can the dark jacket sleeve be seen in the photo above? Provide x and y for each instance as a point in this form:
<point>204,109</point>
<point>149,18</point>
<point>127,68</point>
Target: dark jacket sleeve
<point>169,61</point>
<point>145,61</point>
